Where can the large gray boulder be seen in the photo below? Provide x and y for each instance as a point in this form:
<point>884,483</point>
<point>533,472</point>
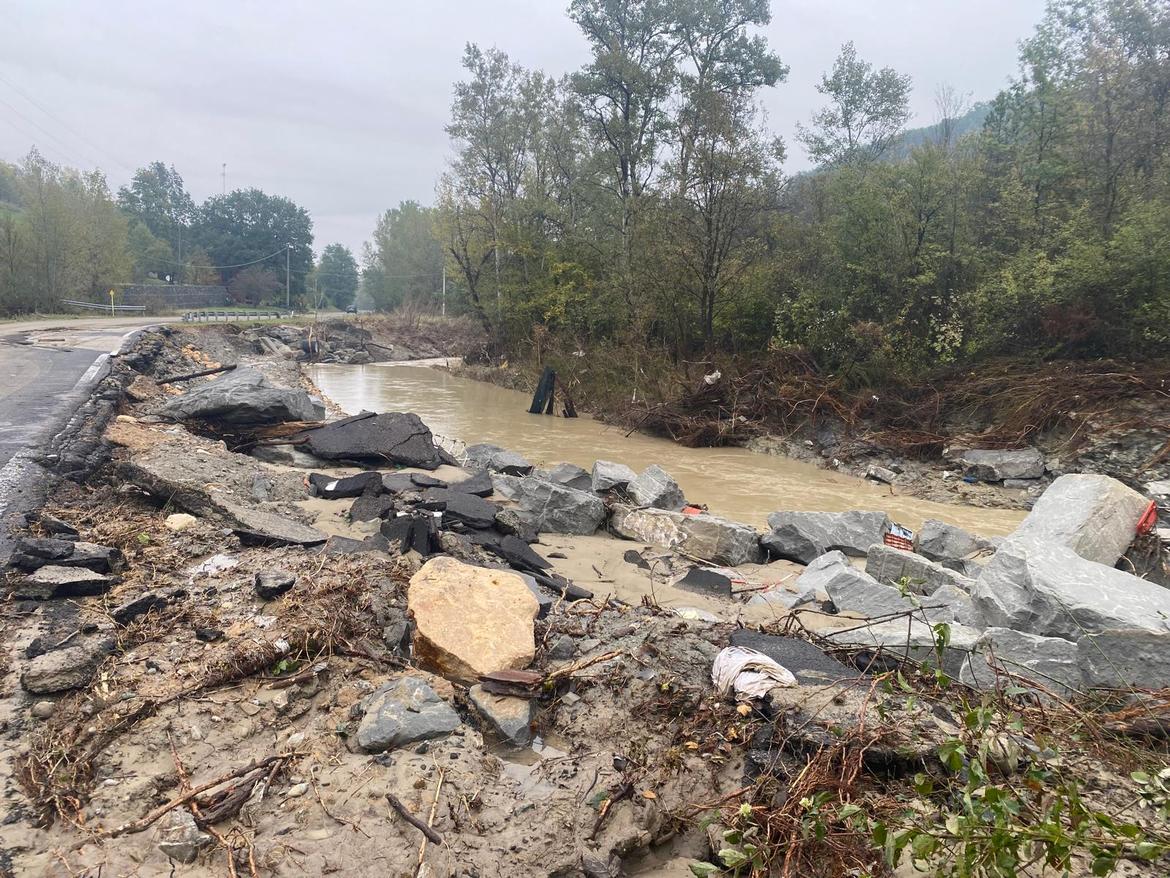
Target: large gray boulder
<point>571,476</point>
<point>855,591</point>
<point>243,396</point>
<point>1094,515</point>
<point>493,458</point>
<point>942,542</point>
<point>707,537</point>
<point>850,532</point>
<point>916,640</point>
<point>997,465</point>
<point>892,566</point>
<point>1052,591</point>
<point>553,508</point>
<point>1049,661</point>
<point>402,712</point>
<point>390,437</point>
<point>655,487</point>
<point>1126,659</point>
<point>791,543</point>
<point>608,475</point>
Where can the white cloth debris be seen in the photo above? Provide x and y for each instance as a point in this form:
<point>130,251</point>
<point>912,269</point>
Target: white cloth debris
<point>749,673</point>
<point>713,377</point>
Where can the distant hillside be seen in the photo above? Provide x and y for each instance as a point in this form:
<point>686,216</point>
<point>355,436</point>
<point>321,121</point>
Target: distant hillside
<point>969,122</point>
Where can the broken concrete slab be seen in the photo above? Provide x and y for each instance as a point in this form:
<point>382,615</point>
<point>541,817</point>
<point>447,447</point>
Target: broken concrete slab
<point>402,712</point>
<point>707,537</point>
<point>493,458</point>
<point>851,532</point>
<point>1052,591</point>
<point>480,484</point>
<point>407,532</point>
<point>703,580</point>
<point>32,553</point>
<point>656,488</point>
<point>391,437</point>
<point>53,581</point>
<point>255,525</point>
<point>1125,659</point>
<point>340,488</point>
<point>243,396</point>
<point>467,509</point>
<point>134,608</point>
<point>371,506</point>
<point>571,476</point>
<point>470,620</point>
<point>1049,661</point>
<point>1094,515</point>
<point>608,476</point>
<point>880,474</point>
<point>893,566</point>
<point>554,508</point>
<point>508,716</point>
<point>995,465</point>
<point>62,669</point>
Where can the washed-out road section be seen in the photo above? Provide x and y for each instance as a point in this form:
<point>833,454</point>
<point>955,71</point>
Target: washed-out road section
<point>46,370</point>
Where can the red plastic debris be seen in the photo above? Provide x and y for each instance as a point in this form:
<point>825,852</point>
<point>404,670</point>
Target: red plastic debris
<point>1148,520</point>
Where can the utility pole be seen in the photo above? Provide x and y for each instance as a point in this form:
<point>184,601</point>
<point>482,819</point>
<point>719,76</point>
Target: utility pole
<point>287,276</point>
<point>444,289</point>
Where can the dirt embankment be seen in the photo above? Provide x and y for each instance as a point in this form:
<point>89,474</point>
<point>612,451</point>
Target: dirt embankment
<point>1102,416</point>
<point>195,699</point>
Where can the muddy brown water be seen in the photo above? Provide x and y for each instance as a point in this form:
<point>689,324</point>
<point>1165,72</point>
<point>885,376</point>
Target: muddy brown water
<point>733,482</point>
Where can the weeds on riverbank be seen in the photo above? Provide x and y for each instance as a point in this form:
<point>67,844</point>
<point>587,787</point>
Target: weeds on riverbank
<point>1016,786</point>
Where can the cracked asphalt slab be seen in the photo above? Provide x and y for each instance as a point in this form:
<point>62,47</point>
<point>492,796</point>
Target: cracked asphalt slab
<point>47,368</point>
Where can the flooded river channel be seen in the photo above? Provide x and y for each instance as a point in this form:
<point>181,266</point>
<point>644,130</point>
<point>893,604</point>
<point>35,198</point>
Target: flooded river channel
<point>732,482</point>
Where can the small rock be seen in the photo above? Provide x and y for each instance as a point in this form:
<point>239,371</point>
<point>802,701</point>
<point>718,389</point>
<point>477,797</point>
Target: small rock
<point>297,790</point>
<point>180,837</point>
<point>877,473</point>
<point>44,709</point>
<point>53,581</point>
<point>493,458</point>
<point>208,635</point>
<point>180,521</point>
<point>509,717</point>
<point>271,584</point>
<point>402,712</point>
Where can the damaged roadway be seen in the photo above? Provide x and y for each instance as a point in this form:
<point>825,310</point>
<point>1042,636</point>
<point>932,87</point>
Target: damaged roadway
<point>334,628</point>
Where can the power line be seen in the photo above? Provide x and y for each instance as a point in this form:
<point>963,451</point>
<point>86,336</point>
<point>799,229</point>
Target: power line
<point>61,147</point>
<point>221,267</point>
<point>63,123</point>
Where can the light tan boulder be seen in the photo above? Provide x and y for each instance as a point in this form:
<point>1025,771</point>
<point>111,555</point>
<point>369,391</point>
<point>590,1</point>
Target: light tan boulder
<point>471,620</point>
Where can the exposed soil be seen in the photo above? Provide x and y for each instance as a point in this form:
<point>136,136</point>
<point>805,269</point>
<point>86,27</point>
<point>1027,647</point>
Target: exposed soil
<point>636,768</point>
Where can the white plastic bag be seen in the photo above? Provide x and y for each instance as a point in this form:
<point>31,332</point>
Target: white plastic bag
<point>749,673</point>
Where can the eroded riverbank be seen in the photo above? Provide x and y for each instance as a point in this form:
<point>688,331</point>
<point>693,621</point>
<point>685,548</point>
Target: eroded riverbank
<point>265,648</point>
<point>733,482</point>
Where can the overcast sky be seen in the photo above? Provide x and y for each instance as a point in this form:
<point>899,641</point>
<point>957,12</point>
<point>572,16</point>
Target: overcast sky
<point>341,105</point>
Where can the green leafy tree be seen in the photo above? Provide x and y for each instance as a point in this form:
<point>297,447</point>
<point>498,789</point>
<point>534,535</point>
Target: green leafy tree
<point>867,110</point>
<point>337,275</point>
<point>403,265</point>
<point>249,227</point>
